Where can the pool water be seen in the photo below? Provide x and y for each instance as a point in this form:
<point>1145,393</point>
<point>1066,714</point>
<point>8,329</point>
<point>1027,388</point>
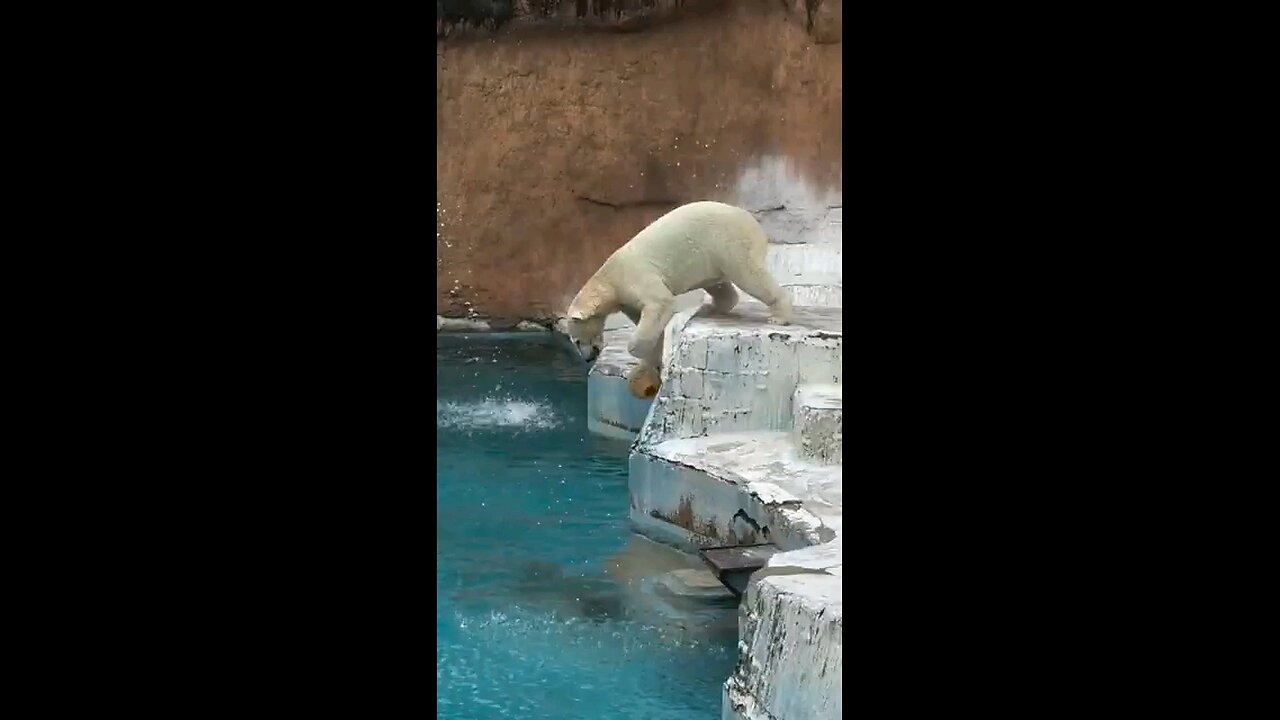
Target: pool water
<point>536,615</point>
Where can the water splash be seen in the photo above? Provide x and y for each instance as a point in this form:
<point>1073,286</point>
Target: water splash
<point>493,412</point>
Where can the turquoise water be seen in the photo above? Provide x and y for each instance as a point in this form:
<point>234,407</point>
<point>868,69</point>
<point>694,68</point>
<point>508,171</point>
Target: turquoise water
<point>529,507</point>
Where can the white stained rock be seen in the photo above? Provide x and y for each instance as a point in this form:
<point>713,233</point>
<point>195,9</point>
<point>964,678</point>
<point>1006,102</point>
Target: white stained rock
<point>790,650</point>
<point>819,431</point>
<point>739,488</point>
<point>739,372</point>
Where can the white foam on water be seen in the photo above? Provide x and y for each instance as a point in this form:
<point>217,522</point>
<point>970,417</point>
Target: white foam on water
<point>496,413</point>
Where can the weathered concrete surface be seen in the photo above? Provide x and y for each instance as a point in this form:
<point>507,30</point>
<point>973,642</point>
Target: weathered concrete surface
<point>810,271</point>
<point>816,294</point>
<point>738,372</point>
<point>819,432</point>
<point>808,263</point>
<point>790,650</point>
<point>734,489</point>
<point>827,558</point>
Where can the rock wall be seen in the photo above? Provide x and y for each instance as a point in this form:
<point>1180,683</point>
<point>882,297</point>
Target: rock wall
<point>556,143</point>
<point>792,650</point>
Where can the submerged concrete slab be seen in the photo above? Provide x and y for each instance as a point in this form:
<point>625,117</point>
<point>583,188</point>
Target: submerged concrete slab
<point>667,588</point>
<point>699,586</point>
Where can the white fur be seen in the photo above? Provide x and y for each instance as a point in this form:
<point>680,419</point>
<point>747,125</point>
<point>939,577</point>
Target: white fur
<point>707,245</point>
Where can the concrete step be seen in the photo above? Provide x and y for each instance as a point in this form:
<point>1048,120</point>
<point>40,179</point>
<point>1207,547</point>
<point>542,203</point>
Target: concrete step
<point>806,263</point>
<point>738,372</point>
<point>816,294</point>
<point>721,373</point>
<point>734,565</point>
<point>734,489</point>
<point>791,648</point>
<point>819,423</point>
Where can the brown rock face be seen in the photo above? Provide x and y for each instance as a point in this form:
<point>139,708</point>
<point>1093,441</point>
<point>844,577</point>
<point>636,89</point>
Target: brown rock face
<point>828,21</point>
<point>555,144</point>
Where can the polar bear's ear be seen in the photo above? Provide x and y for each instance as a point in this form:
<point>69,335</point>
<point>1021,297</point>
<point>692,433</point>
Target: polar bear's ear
<point>577,315</point>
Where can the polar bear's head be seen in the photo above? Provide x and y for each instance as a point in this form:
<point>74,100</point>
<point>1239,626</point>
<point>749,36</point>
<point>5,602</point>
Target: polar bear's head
<point>587,334</point>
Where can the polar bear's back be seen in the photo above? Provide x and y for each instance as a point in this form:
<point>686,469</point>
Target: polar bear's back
<point>691,244</point>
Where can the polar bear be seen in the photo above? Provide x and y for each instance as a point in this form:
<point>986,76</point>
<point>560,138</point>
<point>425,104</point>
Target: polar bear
<point>707,245</point>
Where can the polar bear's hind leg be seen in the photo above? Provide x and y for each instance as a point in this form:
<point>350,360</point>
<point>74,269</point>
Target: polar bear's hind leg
<point>756,281</point>
<point>723,297</point>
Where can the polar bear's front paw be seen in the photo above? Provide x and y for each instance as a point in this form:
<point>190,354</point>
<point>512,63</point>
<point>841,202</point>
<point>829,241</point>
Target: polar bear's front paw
<point>780,319</point>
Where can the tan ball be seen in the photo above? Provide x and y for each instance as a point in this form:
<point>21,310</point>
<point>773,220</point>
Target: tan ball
<point>644,381</point>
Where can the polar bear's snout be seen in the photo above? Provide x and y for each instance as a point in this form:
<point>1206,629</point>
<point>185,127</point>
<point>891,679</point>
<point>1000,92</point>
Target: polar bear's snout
<point>589,351</point>
<point>587,335</point>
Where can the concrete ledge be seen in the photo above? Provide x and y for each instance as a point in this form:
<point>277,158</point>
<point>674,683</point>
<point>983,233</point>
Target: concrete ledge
<point>735,489</point>
<point>816,294</point>
<point>737,372</point>
<point>807,263</point>
<point>612,411</point>
<point>790,662</point>
<point>819,431</point>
